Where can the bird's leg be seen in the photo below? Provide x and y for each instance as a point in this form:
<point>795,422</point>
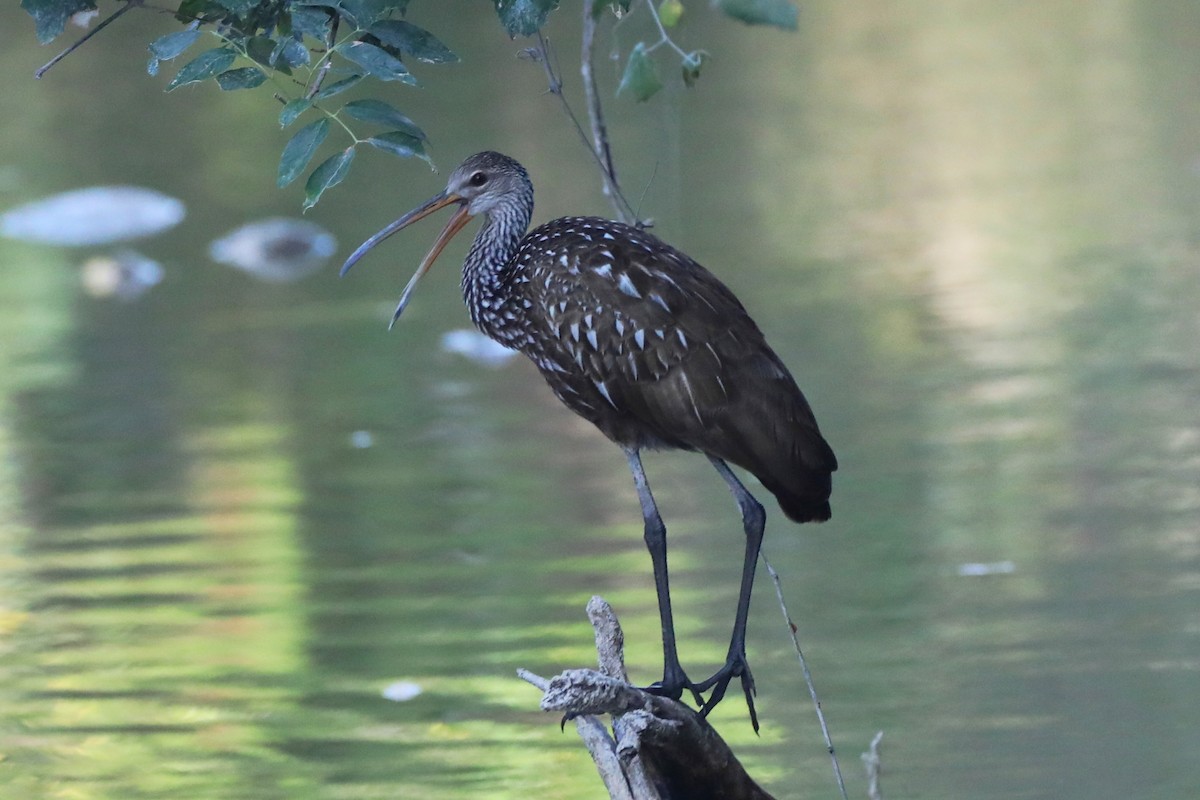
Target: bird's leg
<point>753,521</point>
<point>674,680</point>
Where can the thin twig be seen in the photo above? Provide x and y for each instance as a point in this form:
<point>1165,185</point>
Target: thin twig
<point>666,38</point>
<point>612,189</point>
<point>327,63</point>
<point>533,678</point>
<point>874,766</point>
<point>812,691</point>
<point>600,152</point>
<point>596,114</point>
<point>99,27</point>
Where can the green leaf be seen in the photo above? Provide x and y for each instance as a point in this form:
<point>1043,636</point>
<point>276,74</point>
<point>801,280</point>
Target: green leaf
<point>241,78</point>
<point>261,50</point>
<point>640,77</point>
<point>237,7</point>
<point>50,16</point>
<point>399,143</point>
<point>300,149</point>
<point>164,48</point>
<point>381,113</point>
<point>293,52</point>
<point>338,87</point>
<point>192,10</point>
<point>524,17</point>
<point>364,12</point>
<point>669,13</point>
<point>331,172</point>
<point>780,13</point>
<point>377,61</point>
<point>293,110</point>
<point>311,22</point>
<point>207,65</point>
<point>416,42</point>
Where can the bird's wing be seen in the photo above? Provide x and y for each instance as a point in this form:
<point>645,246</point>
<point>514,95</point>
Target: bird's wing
<point>656,334</point>
<point>652,348</point>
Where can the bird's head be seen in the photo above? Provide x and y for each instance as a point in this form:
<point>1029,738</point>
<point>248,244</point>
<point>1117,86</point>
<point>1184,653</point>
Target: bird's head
<point>483,184</point>
<point>487,181</point>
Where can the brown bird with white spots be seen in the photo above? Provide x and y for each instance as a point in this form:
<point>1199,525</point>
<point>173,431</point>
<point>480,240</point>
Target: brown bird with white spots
<point>648,346</point>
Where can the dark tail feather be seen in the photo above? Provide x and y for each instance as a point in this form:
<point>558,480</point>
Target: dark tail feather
<point>807,478</point>
<point>800,477</point>
<point>799,508</point>
<point>774,436</point>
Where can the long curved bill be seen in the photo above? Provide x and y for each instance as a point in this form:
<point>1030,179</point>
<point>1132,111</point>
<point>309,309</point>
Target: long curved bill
<point>457,222</point>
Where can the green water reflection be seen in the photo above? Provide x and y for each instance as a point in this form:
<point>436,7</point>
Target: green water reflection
<point>971,231</point>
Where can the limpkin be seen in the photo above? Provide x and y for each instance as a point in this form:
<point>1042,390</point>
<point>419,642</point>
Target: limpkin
<point>648,346</point>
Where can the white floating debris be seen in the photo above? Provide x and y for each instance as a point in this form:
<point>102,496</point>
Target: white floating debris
<point>477,347</point>
<point>361,440</point>
<point>98,215</point>
<point>401,691</point>
<point>125,275</point>
<point>276,250</point>
<point>974,569</point>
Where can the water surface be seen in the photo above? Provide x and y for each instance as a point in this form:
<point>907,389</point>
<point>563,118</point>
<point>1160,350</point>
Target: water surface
<point>232,513</point>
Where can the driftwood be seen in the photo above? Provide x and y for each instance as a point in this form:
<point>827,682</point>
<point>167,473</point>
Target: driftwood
<point>657,749</point>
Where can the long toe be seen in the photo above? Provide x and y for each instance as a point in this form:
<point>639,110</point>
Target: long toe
<point>749,691</point>
<point>736,666</point>
<point>675,691</point>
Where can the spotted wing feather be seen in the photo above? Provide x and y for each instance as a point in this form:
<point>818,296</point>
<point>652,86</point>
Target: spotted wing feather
<point>653,349</point>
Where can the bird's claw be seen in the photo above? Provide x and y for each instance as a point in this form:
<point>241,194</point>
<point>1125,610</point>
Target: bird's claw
<point>735,666</point>
<point>675,691</point>
<point>674,681</point>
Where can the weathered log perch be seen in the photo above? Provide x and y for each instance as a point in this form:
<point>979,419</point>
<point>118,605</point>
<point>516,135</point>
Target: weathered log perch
<point>658,749</point>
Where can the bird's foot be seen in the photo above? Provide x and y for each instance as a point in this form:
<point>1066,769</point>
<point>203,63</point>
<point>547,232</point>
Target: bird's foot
<point>673,682</point>
<point>735,667</point>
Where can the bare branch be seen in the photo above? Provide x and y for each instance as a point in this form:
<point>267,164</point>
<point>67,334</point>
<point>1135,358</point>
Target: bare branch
<point>600,146</point>
<point>595,737</point>
<point>327,63</point>
<point>664,750</point>
<point>812,691</point>
<point>610,639</point>
<point>666,38</point>
<point>600,150</point>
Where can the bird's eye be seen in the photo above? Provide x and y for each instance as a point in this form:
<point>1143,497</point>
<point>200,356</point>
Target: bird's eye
<point>479,179</point>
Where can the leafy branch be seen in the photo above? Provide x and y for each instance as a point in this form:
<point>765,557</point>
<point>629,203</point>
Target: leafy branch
<point>640,77</point>
<point>311,51</point>
<point>374,46</point>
